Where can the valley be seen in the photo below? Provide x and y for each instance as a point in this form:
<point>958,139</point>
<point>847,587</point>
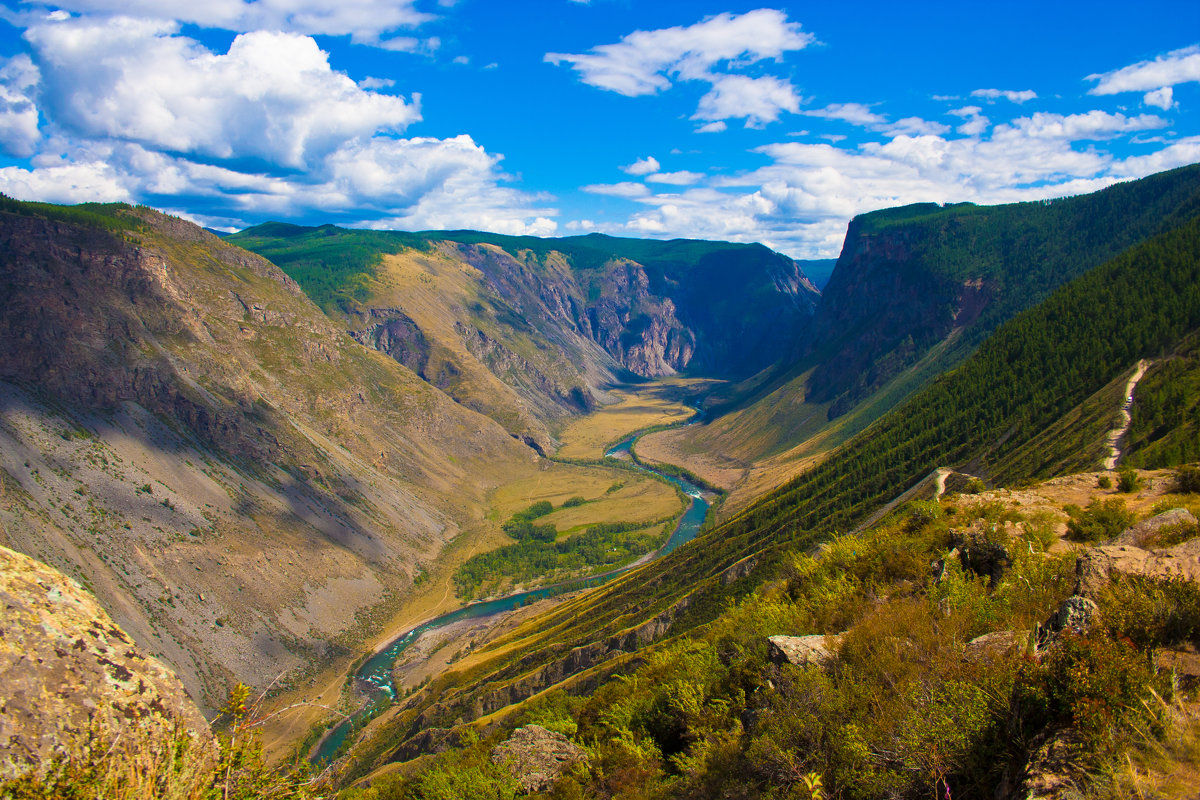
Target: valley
<point>453,467</point>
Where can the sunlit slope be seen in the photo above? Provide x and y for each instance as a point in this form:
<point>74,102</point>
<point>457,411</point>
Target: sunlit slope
<point>555,321</point>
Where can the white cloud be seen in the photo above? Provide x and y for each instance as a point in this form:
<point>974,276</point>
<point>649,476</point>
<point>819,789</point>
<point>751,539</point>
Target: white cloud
<point>915,126</point>
<point>643,166</point>
<point>854,113</point>
<point>713,127</point>
<point>71,182</point>
<point>646,62</point>
<point>622,189</point>
<point>801,200</point>
<point>711,51</point>
<point>1008,94</point>
<point>365,21</point>
<point>758,100</point>
<point>1077,127</point>
<point>681,178</point>
<point>1178,66</point>
<point>272,97</point>
<point>974,123</point>
<point>369,83</point>
<point>1160,98</point>
<point>19,132</point>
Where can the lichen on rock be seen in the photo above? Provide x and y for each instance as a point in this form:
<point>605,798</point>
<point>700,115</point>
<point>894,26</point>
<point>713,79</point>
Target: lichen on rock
<point>69,674</point>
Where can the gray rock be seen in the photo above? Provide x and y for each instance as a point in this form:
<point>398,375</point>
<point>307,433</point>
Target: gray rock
<point>1138,534</point>
<point>802,651</point>
<point>1095,568</point>
<point>1076,615</point>
<point>537,757</point>
<point>997,644</point>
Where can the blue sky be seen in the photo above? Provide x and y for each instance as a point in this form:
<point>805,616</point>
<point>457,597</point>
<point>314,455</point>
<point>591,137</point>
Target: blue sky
<point>725,120</point>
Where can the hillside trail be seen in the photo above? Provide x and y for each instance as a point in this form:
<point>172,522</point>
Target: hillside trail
<point>1112,441</point>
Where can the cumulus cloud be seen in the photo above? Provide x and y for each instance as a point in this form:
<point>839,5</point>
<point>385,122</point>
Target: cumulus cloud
<point>1169,69</point>
<point>713,127</point>
<point>1012,96</point>
<point>135,111</point>
<point>681,178</point>
<point>758,100</point>
<point>648,62</point>
<point>643,166</point>
<point>272,96</point>
<point>974,123</point>
<point>1160,98</point>
<point>365,21</point>
<point>854,113</point>
<point>1078,127</point>
<point>19,132</point>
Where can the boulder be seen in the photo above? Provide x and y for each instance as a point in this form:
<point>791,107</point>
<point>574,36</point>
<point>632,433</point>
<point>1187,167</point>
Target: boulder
<point>68,672</point>
<point>1076,614</point>
<point>802,651</point>
<point>1095,568</point>
<point>537,757</point>
<point>991,646</point>
<point>1139,534</point>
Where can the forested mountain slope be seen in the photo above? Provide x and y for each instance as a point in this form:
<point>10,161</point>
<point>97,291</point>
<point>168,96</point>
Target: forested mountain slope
<point>914,292</point>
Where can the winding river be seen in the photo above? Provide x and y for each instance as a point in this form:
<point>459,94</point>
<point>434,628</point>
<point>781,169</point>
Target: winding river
<point>373,677</point>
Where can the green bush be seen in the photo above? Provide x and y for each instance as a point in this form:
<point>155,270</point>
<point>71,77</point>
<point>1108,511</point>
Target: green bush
<point>1187,480</point>
<point>1104,482</point>
<point>1102,519</point>
<point>1128,480</point>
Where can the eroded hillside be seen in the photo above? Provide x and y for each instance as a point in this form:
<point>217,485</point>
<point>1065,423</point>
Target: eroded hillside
<point>243,484</point>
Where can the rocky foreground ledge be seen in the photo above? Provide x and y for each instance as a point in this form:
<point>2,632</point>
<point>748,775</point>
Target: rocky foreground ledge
<point>70,678</point>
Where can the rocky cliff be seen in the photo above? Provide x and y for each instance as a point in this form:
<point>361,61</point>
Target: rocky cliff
<point>925,276</point>
<point>530,330</point>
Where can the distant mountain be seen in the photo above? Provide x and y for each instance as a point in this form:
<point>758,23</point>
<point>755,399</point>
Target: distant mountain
<point>529,330</point>
<point>818,270</point>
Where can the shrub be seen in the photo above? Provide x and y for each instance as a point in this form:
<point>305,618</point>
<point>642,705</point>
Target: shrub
<point>1094,682</point>
<point>573,502</point>
<point>1102,519</point>
<point>1128,480</point>
<point>1152,612</point>
<point>1187,480</point>
<point>1104,482</point>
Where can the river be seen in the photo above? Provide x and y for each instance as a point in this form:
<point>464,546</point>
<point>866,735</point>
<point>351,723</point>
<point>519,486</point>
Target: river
<point>373,677</point>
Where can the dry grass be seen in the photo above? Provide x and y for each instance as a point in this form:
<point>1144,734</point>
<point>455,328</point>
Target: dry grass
<point>1163,767</point>
<point>637,408</point>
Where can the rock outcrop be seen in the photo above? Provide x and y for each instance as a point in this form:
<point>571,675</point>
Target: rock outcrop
<point>537,757</point>
<point>1095,568</point>
<point>1144,532</point>
<point>68,671</point>
<point>802,651</point>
